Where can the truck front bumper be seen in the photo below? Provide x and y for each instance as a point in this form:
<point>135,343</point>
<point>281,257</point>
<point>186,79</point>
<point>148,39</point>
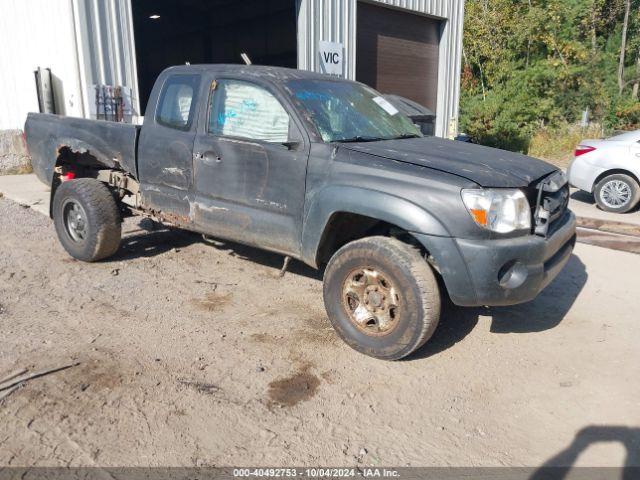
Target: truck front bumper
<point>502,271</point>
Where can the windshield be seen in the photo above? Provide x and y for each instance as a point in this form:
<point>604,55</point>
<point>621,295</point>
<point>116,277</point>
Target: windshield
<point>345,111</point>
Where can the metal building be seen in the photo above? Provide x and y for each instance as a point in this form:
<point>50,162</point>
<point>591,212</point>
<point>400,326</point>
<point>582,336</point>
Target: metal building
<point>95,52</point>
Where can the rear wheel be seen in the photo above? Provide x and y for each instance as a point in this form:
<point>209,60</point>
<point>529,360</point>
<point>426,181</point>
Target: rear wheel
<point>617,193</point>
<point>381,297</point>
<point>87,219</point>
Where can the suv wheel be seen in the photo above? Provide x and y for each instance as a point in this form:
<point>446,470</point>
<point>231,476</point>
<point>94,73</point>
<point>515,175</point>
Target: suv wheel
<point>617,193</point>
<point>381,297</point>
<point>87,219</point>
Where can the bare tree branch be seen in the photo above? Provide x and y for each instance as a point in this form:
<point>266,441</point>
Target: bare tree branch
<point>623,47</point>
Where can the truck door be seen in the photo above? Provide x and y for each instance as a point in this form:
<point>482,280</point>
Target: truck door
<point>250,161</point>
<point>165,147</point>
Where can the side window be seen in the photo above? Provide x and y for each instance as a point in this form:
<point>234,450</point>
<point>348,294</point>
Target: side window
<point>242,109</point>
<point>177,101</point>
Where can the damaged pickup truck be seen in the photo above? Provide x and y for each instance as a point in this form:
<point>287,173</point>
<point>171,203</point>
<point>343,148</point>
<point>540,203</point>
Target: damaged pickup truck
<point>323,170</point>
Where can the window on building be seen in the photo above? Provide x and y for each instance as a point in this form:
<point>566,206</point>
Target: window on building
<point>178,101</point>
<point>245,110</point>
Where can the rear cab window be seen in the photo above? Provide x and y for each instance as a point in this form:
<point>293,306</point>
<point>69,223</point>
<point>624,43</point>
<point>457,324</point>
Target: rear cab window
<point>178,100</point>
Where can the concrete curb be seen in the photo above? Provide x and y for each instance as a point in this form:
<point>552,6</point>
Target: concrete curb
<point>26,190</point>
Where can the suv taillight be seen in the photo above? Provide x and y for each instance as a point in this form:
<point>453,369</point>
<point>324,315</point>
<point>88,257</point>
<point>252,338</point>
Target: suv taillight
<point>582,149</point>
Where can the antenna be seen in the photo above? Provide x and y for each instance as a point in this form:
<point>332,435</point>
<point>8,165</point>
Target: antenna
<point>246,58</point>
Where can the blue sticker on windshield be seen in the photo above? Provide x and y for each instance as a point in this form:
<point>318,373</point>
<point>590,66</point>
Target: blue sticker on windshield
<point>309,95</point>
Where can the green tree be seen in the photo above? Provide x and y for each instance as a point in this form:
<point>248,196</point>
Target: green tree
<point>529,64</point>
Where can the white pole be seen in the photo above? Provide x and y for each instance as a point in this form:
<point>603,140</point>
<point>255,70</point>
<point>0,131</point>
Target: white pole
<point>80,59</point>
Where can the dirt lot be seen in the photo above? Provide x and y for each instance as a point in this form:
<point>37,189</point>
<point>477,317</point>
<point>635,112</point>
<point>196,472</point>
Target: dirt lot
<point>198,354</point>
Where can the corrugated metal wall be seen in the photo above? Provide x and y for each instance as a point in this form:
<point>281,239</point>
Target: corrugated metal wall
<point>83,42</point>
<point>36,33</point>
<point>436,8</point>
<point>106,49</point>
<point>330,20</point>
<point>87,42</point>
<point>335,21</point>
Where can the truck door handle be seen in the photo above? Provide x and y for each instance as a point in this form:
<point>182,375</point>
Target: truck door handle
<point>208,157</point>
<point>211,157</point>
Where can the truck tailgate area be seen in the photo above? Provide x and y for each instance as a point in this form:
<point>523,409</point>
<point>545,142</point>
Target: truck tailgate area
<point>109,143</point>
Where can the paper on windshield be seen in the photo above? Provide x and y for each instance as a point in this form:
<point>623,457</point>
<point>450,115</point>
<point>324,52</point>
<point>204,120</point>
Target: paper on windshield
<point>385,105</point>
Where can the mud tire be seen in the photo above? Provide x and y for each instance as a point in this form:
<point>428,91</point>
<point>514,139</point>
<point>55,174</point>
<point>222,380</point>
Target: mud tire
<point>413,279</point>
<point>102,225</point>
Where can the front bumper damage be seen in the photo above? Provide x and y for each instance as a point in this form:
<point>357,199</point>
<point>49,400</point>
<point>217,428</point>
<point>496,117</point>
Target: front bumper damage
<point>502,271</point>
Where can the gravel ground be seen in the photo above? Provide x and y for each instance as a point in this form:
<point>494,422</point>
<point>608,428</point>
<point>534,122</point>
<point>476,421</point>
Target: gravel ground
<point>197,354</point>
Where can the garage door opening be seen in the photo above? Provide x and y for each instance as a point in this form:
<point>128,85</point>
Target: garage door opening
<point>397,52</point>
<point>173,32</point>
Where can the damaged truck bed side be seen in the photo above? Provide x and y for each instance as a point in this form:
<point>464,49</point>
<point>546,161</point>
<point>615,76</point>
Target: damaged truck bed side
<point>323,170</point>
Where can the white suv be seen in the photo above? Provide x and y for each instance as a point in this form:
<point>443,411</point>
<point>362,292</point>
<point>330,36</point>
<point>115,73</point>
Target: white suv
<point>610,169</point>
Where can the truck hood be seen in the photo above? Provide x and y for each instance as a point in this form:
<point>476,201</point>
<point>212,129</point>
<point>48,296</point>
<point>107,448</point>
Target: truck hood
<point>488,167</point>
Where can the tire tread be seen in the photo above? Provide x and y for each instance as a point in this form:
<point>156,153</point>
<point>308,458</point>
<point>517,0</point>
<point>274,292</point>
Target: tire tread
<point>103,213</point>
<point>635,192</point>
<point>401,253</point>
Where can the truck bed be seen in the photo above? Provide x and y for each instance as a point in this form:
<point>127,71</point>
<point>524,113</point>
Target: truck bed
<point>108,143</point>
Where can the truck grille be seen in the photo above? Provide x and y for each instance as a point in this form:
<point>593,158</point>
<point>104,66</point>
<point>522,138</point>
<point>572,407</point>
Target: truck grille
<point>557,202</point>
<point>549,200</point>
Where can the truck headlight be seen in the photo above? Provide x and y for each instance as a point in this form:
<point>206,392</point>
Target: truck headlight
<point>501,210</point>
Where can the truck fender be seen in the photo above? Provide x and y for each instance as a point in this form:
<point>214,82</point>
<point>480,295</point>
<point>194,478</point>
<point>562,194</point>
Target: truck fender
<point>77,147</point>
<point>361,201</point>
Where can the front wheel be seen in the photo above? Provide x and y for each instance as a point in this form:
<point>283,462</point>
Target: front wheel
<point>87,219</point>
<point>382,297</point>
<point>617,193</point>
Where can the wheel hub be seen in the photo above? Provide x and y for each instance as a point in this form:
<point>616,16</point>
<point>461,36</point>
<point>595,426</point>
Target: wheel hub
<point>375,299</point>
<point>75,220</point>
<point>615,193</point>
<point>371,301</point>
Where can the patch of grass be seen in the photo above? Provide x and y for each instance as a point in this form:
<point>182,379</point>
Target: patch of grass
<point>556,145</point>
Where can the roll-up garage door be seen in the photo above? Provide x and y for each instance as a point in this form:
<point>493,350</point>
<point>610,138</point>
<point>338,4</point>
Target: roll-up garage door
<point>397,52</point>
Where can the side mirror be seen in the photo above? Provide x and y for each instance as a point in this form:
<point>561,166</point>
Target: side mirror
<point>291,144</point>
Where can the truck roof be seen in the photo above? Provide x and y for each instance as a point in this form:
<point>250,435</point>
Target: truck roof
<point>257,71</point>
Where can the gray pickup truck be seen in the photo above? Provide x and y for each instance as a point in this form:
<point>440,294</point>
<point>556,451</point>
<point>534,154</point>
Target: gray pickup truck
<point>323,170</point>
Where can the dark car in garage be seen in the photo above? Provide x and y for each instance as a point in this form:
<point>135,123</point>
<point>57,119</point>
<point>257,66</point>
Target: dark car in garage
<point>419,114</point>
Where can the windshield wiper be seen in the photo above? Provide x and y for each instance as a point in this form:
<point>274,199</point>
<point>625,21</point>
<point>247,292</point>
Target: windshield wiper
<point>407,135</point>
<point>359,138</point>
